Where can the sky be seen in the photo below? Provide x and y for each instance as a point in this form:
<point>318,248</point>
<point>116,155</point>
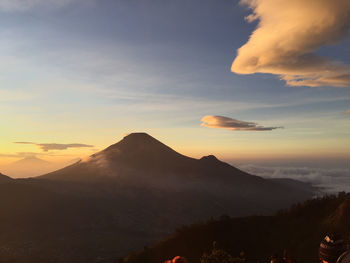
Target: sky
<point>243,80</point>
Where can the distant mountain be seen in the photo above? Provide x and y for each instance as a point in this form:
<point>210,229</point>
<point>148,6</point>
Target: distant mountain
<point>138,191</point>
<point>31,166</point>
<point>298,230</point>
<point>31,160</point>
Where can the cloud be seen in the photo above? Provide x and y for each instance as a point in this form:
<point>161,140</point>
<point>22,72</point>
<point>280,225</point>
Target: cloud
<point>287,36</point>
<point>19,155</point>
<point>348,112</point>
<point>9,96</point>
<point>232,124</point>
<point>21,5</point>
<point>56,146</point>
<point>330,180</point>
<point>29,154</point>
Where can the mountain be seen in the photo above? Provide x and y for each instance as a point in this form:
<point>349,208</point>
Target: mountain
<point>129,195</point>
<point>155,173</point>
<point>4,178</point>
<point>140,161</point>
<point>31,160</point>
<point>298,230</point>
<point>140,153</point>
<point>28,167</point>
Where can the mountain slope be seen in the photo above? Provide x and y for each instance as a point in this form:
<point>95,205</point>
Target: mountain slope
<point>298,230</point>
<point>38,225</point>
<point>4,178</point>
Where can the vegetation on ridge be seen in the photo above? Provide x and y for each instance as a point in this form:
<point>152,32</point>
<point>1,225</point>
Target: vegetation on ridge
<point>298,230</point>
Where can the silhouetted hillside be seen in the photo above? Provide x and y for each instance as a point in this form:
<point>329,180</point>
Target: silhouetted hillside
<point>38,225</point>
<point>4,178</point>
<point>298,230</point>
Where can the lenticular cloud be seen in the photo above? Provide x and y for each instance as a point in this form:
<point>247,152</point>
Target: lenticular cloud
<point>223,122</point>
<point>287,37</point>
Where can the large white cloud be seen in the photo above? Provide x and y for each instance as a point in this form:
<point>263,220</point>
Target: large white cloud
<point>287,36</point>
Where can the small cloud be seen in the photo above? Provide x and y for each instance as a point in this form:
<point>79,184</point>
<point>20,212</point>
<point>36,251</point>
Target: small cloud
<point>287,37</point>
<point>348,112</point>
<point>222,122</point>
<point>56,146</point>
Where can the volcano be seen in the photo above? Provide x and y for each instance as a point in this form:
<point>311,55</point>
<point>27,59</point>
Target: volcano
<point>141,161</point>
<point>129,195</point>
<point>138,155</point>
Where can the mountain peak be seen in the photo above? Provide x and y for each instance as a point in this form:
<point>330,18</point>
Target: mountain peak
<point>31,160</point>
<point>138,141</point>
<point>140,151</point>
<point>209,158</point>
<point>139,137</point>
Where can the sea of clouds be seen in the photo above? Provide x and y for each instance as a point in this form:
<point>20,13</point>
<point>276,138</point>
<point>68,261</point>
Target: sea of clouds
<point>329,180</point>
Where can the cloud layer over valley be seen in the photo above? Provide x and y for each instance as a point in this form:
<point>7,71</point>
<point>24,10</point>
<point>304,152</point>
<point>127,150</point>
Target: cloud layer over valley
<point>330,180</point>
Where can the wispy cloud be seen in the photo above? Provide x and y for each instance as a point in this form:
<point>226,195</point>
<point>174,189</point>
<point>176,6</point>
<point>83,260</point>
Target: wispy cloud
<point>232,124</point>
<point>31,154</point>
<point>21,5</point>
<point>287,36</point>
<point>348,112</point>
<point>19,154</point>
<point>10,96</point>
<point>56,146</point>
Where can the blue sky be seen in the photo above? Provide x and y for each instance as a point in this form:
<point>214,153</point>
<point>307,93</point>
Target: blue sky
<point>90,71</point>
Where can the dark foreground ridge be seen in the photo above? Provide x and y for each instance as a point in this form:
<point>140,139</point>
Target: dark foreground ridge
<point>297,231</point>
<point>129,195</point>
